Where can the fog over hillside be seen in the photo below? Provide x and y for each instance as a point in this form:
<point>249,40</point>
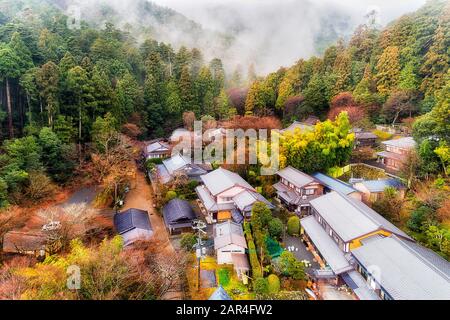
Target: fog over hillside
<point>266,33</point>
<point>271,33</point>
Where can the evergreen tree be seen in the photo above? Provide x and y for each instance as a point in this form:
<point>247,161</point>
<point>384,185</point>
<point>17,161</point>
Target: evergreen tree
<point>188,102</point>
<point>316,95</point>
<point>129,98</point>
<point>388,70</point>
<point>437,61</point>
<point>173,102</point>
<point>47,78</point>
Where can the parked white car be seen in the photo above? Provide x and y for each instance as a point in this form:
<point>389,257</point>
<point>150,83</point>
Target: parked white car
<point>51,226</point>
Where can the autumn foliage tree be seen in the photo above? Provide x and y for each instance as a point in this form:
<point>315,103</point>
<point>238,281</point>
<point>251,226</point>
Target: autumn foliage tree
<point>329,144</point>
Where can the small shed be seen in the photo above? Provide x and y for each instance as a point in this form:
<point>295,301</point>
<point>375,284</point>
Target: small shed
<point>365,139</point>
<point>178,216</point>
<point>373,190</point>
<point>157,150</point>
<point>132,225</point>
<point>32,243</point>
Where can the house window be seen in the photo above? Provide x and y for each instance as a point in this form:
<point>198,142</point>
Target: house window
<point>309,192</point>
<point>227,199</point>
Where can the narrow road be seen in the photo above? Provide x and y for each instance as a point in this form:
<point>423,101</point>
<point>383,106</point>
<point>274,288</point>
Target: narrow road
<point>140,197</point>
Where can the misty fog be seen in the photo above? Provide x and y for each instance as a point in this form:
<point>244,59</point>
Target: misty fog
<point>272,33</point>
<point>266,33</point>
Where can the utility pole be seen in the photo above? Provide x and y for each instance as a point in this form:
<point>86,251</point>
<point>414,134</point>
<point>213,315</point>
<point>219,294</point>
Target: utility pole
<point>200,251</point>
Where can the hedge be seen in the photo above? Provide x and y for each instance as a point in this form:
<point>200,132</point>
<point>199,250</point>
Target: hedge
<point>261,285</point>
<point>254,261</point>
<point>293,226</point>
<point>274,283</point>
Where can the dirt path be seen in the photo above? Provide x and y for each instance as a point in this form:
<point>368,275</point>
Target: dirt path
<point>140,197</point>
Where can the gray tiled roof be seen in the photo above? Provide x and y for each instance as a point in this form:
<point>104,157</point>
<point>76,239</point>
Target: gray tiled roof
<point>157,146</point>
<point>245,200</point>
<point>131,219</point>
<point>206,198</point>
<point>237,216</point>
<point>334,184</point>
<point>351,218</point>
<point>359,286</point>
<point>365,135</point>
<point>296,177</point>
<point>326,246</point>
<point>429,255</point>
<point>404,143</point>
<point>402,272</point>
<point>221,179</point>
<point>391,155</point>
<point>178,211</point>
<point>176,163</point>
<point>382,184</point>
<point>227,233</point>
<point>163,174</point>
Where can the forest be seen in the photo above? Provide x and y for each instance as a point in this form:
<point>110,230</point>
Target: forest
<point>75,103</point>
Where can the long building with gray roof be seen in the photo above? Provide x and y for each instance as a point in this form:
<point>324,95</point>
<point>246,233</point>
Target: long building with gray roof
<point>398,271</point>
<point>356,246</point>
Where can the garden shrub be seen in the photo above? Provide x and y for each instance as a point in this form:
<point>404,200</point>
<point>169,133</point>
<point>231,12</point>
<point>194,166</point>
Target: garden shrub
<point>188,240</point>
<point>293,226</point>
<point>170,195</point>
<point>274,283</point>
<point>224,276</point>
<point>382,135</point>
<point>254,262</point>
<point>275,228</point>
<point>290,266</point>
<point>261,285</point>
<point>261,215</point>
<point>248,231</point>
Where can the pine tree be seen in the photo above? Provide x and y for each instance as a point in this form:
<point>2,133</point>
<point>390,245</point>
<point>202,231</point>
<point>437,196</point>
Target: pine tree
<point>66,63</point>
<point>196,63</point>
<point>78,83</point>
<point>218,75</point>
<point>388,70</point>
<point>343,70</point>
<point>188,102</point>
<point>47,78</point>
<point>436,62</point>
<point>102,93</point>
<point>15,60</point>
<point>316,95</point>
<point>129,98</point>
<point>408,77</point>
<point>173,102</point>
<point>223,105</point>
<point>182,60</point>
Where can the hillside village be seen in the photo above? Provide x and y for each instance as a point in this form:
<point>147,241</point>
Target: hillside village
<point>99,202</point>
<point>325,224</point>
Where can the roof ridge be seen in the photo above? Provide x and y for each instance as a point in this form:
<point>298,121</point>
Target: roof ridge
<point>353,204</point>
<point>421,257</point>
